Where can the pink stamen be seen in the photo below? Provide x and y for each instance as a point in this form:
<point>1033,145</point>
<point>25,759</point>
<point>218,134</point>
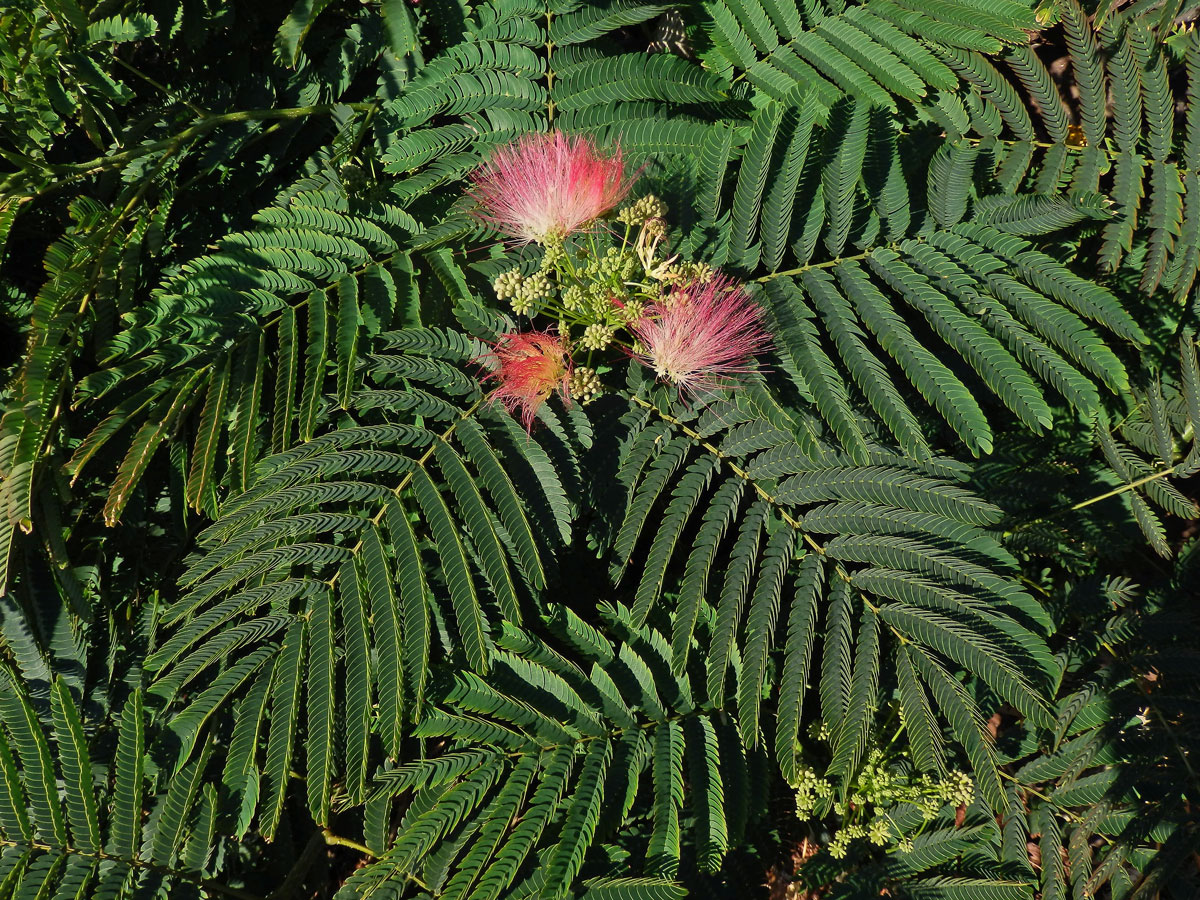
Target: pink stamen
<point>530,366</point>
<point>701,334</point>
<point>546,186</point>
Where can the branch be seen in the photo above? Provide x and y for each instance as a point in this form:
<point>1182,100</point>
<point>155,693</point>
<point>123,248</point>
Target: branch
<point>1125,487</point>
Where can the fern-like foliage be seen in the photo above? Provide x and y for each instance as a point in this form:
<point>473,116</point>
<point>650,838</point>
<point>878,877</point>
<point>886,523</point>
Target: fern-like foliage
<point>879,52</point>
<point>407,531</point>
<point>92,837</point>
<point>889,557</point>
<point>289,606</point>
<point>564,743</point>
<point>1128,472</point>
<point>40,385</point>
<point>62,78</point>
<point>1155,446</point>
<point>1118,766</point>
<point>1098,802</point>
<point>964,273</point>
<point>1137,148</point>
<point>320,278</point>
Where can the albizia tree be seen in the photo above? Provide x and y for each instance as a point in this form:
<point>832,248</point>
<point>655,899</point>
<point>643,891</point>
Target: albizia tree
<point>477,451</point>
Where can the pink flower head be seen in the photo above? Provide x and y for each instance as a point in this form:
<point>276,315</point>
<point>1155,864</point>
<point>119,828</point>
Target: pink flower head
<point>530,366</point>
<point>547,186</point>
<point>702,333</point>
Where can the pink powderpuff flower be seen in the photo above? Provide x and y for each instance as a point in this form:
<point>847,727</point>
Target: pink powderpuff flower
<point>546,186</point>
<point>702,333</point>
<point>530,366</point>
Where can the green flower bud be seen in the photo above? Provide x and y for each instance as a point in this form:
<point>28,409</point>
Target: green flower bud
<point>573,298</point>
<point>538,287</point>
<point>585,385</point>
<point>643,210</point>
<point>879,832</point>
<point>597,337</point>
<point>554,254</point>
<point>632,311</point>
<point>507,284</point>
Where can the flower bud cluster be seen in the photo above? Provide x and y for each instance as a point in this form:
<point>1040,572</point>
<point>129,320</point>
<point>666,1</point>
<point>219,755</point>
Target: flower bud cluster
<point>522,293</point>
<point>573,298</point>
<point>554,253</point>
<point>881,786</point>
<point>684,272</point>
<point>631,311</point>
<point>877,789</point>
<point>617,264</point>
<point>585,385</point>
<point>597,336</point>
<point>507,284</point>
<point>655,229</point>
<point>811,789</point>
<point>643,210</point>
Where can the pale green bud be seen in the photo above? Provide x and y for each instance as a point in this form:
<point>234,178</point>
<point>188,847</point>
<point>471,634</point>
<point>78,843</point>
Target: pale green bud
<point>597,337</point>
<point>507,284</point>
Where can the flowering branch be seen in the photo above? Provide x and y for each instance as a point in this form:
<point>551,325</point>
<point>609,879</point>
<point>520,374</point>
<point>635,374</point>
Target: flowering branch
<point>694,327</point>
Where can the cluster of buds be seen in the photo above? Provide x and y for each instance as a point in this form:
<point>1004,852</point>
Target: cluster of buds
<point>880,786</point>
<point>523,294</point>
<point>675,272</point>
<point>574,298</point>
<point>585,385</point>
<point>647,209</point>
<point>508,285</point>
<point>878,789</point>
<point>878,831</point>
<point>631,311</point>
<point>617,265</point>
<point>597,336</point>
<point>811,791</point>
<point>695,328</point>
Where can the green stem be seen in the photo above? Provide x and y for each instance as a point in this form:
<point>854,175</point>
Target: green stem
<point>733,467</point>
<point>198,110</point>
<point>790,520</point>
<point>334,841</point>
<point>362,130</point>
<point>570,264</point>
<point>407,479</point>
<point>821,265</point>
<point>1126,487</point>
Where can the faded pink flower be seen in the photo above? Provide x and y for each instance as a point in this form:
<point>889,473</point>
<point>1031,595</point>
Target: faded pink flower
<point>701,333</point>
<point>530,366</point>
<point>548,185</point>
